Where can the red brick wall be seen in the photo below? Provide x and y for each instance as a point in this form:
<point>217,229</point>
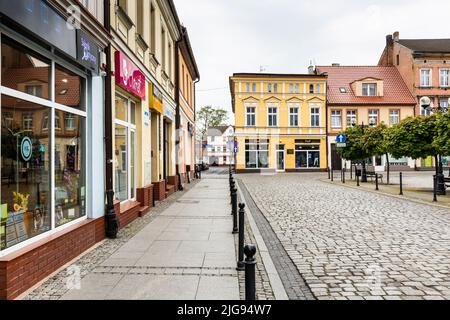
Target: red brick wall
<point>173,180</point>
<point>128,213</point>
<point>20,270</point>
<point>159,190</point>
<point>145,196</point>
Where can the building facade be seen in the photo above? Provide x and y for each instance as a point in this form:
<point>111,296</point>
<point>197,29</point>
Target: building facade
<point>220,146</point>
<point>280,122</point>
<point>52,120</point>
<point>424,66</point>
<point>368,95</point>
<point>188,75</point>
<point>88,106</point>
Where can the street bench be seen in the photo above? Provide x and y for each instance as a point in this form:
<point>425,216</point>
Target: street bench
<point>447,182</point>
<point>370,172</point>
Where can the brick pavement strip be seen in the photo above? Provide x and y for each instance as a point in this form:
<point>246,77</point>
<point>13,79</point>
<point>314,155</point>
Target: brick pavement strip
<point>55,286</point>
<point>351,244</point>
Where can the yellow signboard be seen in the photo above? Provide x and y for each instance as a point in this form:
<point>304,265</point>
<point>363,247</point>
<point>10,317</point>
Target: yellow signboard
<point>155,98</point>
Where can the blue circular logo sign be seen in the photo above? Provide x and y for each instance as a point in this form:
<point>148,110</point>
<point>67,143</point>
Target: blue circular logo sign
<point>26,149</point>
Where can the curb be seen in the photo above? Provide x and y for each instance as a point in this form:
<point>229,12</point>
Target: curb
<point>386,194</point>
<point>274,278</point>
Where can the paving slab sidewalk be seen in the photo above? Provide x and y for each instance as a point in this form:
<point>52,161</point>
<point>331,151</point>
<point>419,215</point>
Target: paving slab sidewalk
<point>187,252</point>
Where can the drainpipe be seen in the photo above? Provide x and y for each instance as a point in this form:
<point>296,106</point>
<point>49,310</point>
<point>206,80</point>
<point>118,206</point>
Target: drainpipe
<point>177,116</point>
<point>111,221</point>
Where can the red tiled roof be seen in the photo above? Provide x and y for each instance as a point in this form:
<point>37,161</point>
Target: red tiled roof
<point>394,88</point>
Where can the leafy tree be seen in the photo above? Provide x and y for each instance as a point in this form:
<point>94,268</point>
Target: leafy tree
<point>413,137</point>
<point>209,117</point>
<point>375,143</point>
<point>441,141</point>
<point>354,149</point>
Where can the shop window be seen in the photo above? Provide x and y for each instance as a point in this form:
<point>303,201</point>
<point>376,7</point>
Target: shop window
<point>307,156</point>
<point>69,89</point>
<point>27,207</point>
<point>24,70</point>
<point>256,155</point>
<point>25,175</point>
<point>70,181</point>
<point>124,146</point>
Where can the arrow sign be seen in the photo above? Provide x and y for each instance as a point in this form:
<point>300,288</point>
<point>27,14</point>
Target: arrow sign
<point>341,138</point>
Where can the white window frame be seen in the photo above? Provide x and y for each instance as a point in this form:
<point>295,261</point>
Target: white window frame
<point>368,87</point>
<point>430,78</point>
<point>130,128</point>
<point>272,114</point>
<point>353,115</point>
<point>372,115</point>
<point>334,116</point>
<point>52,105</point>
<point>441,83</point>
<point>314,114</point>
<point>269,88</point>
<point>291,115</point>
<point>250,113</point>
<point>291,88</point>
<point>391,115</point>
<point>275,88</point>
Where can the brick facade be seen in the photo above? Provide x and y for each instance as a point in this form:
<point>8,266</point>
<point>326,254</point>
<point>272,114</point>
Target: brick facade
<point>22,269</point>
<point>159,190</point>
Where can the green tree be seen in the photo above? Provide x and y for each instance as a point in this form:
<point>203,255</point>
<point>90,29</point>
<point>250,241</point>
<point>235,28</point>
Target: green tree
<point>209,117</point>
<point>375,143</point>
<point>441,141</point>
<point>413,137</point>
<point>354,149</point>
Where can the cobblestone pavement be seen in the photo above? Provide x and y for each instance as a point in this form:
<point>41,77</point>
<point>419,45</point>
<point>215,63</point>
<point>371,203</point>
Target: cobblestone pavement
<point>352,244</point>
<point>293,283</point>
<point>56,286</point>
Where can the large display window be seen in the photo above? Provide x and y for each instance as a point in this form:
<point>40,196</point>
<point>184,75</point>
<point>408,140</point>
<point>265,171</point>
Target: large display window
<point>124,147</point>
<point>43,144</point>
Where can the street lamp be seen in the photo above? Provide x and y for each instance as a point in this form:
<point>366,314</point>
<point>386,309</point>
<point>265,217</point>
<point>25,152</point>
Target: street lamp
<point>425,103</point>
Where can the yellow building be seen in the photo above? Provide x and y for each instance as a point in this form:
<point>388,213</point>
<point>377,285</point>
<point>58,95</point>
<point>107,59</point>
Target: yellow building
<point>280,122</point>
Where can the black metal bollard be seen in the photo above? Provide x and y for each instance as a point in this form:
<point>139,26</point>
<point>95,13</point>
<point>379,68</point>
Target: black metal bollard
<point>234,210</point>
<point>232,187</point>
<point>434,188</point>
<point>328,170</point>
<point>376,182</point>
<point>357,180</point>
<point>351,171</point>
<point>250,264</point>
<point>342,179</point>
<point>401,183</point>
<point>240,263</point>
<point>332,174</point>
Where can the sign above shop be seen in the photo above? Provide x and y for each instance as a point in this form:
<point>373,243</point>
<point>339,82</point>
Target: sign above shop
<point>168,113</point>
<point>87,51</point>
<point>129,76</point>
<point>156,98</point>
<point>42,20</point>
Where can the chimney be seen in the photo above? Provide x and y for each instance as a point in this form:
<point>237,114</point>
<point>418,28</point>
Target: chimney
<point>389,40</point>
<point>335,64</point>
<point>311,68</point>
<point>396,36</point>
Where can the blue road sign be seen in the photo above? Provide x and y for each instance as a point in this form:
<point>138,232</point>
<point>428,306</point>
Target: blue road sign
<point>341,138</point>
<point>236,149</point>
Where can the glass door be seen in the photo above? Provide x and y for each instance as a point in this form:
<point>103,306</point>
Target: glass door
<point>280,160</point>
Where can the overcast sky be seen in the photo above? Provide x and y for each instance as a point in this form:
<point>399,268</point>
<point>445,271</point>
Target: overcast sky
<point>231,36</point>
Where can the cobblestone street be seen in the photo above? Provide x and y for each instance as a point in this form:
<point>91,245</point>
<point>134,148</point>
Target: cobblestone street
<point>352,244</point>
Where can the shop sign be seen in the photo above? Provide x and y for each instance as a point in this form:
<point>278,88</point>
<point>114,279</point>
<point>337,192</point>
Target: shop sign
<point>129,76</point>
<point>26,149</point>
<point>87,51</point>
<point>168,112</point>
<point>156,98</point>
<point>42,20</point>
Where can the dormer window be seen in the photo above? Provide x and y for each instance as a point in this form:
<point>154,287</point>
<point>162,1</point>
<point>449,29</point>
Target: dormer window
<point>342,90</point>
<point>369,89</point>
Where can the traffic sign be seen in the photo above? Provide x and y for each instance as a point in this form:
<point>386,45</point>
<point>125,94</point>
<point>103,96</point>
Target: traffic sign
<point>341,145</point>
<point>341,138</point>
<point>235,149</point>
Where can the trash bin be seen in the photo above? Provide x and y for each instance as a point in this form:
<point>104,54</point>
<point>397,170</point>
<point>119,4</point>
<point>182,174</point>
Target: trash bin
<point>358,172</point>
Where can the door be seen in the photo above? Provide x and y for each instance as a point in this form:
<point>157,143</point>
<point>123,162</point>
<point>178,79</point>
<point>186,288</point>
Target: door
<point>336,161</point>
<point>280,160</point>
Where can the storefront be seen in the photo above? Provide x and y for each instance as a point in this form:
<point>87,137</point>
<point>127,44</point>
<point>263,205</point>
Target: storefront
<point>129,95</point>
<point>50,123</point>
